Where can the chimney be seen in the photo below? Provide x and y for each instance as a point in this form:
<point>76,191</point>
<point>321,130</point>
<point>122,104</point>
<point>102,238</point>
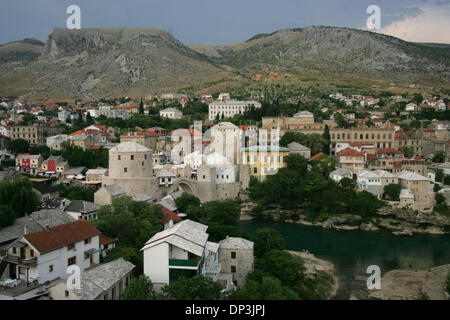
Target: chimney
<point>170,223</point>
<point>25,229</point>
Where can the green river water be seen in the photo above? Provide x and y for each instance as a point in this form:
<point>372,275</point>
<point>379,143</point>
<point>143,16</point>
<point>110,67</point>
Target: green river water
<point>353,251</point>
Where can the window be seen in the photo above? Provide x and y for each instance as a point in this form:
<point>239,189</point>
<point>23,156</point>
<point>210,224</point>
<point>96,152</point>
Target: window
<point>32,253</point>
<point>14,250</point>
<point>118,157</point>
<point>87,241</point>
<point>255,170</point>
<point>124,169</point>
<point>142,163</point>
<point>132,157</point>
<point>51,268</point>
<point>71,261</point>
<point>233,255</point>
<point>233,269</point>
<point>66,293</point>
<point>71,246</point>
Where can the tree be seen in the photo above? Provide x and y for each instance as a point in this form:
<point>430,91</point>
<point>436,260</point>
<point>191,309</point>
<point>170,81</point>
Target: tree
<point>392,190</point>
<point>17,199</point>
<point>269,288</point>
<point>266,239</point>
<point>133,223</point>
<point>287,268</point>
<point>19,146</point>
<point>438,157</point>
<point>221,217</point>
<point>326,135</point>
<point>195,288</point>
<point>440,175</point>
<point>141,107</point>
<point>139,288</point>
<point>186,200</point>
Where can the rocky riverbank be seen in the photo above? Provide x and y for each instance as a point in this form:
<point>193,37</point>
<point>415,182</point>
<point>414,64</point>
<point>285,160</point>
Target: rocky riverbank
<point>315,266</point>
<point>413,285</point>
<point>399,222</point>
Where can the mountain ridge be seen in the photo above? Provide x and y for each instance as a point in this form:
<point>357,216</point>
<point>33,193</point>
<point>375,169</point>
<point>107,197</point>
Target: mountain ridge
<point>95,63</point>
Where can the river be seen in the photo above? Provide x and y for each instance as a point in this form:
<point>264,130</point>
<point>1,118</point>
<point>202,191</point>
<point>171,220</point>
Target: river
<point>353,251</point>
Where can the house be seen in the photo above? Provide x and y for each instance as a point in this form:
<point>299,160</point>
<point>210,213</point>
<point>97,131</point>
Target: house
<point>56,142</point>
<point>86,139</point>
<point>375,181</point>
<point>36,221</point>
<point>74,173</point>
<point>177,251</point>
<point>406,199</point>
<point>169,217</point>
<point>299,149</point>
<point>106,281</point>
<point>264,160</point>
<point>226,108</point>
<point>29,163</point>
<point>236,258</point>
<point>341,173</point>
<point>351,159</point>
<point>95,176</point>
<point>45,255</point>
<point>35,133</point>
<point>49,166</point>
<point>80,209</point>
<point>106,244</point>
<point>165,178</point>
<point>418,185</point>
<point>142,137</point>
<point>44,191</point>
<point>105,194</point>
<point>171,113</point>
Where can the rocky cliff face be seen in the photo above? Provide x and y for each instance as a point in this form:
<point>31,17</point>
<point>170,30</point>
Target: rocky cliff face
<point>334,50</point>
<point>95,63</point>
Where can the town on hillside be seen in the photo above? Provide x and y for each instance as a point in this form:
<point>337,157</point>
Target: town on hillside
<point>100,199</point>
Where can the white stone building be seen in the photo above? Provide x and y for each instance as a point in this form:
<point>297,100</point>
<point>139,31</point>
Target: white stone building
<point>229,108</point>
<point>171,113</point>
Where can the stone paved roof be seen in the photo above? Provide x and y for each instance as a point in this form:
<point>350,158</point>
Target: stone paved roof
<point>187,235</point>
<point>94,282</point>
<point>34,222</point>
<point>129,147</point>
<point>236,243</point>
<point>82,206</point>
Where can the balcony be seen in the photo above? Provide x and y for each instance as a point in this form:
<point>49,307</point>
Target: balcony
<point>186,263</point>
<point>28,262</point>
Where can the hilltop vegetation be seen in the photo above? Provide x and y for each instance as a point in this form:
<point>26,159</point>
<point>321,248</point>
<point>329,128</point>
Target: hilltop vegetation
<point>95,63</point>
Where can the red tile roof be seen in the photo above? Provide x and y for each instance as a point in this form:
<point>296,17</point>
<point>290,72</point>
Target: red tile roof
<point>350,152</point>
<point>104,240</point>
<point>388,150</point>
<point>317,155</point>
<point>61,236</point>
<point>169,215</point>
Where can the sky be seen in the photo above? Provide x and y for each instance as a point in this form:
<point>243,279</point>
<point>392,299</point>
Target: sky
<point>217,22</point>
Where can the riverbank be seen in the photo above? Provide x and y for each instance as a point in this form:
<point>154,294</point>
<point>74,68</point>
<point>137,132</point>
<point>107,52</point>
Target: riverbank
<point>398,222</point>
<point>315,266</point>
<point>413,284</point>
